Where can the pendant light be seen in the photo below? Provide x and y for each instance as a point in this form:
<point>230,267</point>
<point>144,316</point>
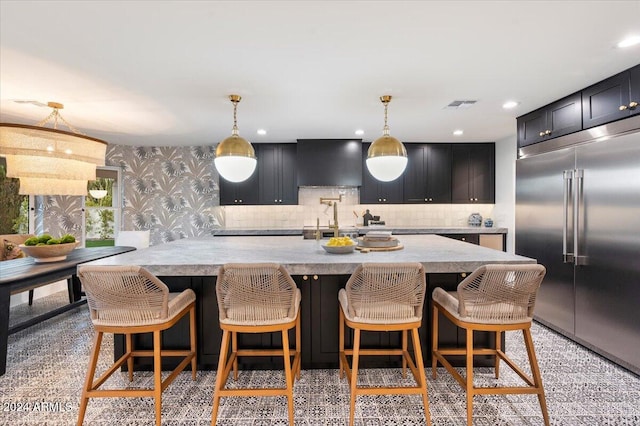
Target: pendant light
<point>50,161</point>
<point>235,157</point>
<point>387,156</point>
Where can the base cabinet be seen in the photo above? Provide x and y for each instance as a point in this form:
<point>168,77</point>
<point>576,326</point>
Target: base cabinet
<point>319,312</point>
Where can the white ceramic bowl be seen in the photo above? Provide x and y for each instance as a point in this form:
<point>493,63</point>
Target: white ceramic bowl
<point>49,253</point>
<point>339,249</point>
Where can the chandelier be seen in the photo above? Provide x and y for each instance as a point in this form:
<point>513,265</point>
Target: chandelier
<point>49,161</point>
<point>235,157</point>
<point>387,156</point>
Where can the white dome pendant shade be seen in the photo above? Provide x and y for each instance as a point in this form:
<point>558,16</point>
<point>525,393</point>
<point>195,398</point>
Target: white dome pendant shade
<point>387,156</point>
<point>235,157</point>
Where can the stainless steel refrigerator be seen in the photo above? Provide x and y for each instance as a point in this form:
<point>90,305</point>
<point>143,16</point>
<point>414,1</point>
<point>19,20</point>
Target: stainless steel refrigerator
<point>578,214</point>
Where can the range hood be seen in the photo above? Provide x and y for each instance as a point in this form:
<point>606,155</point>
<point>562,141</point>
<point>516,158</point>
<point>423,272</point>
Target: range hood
<point>329,162</point>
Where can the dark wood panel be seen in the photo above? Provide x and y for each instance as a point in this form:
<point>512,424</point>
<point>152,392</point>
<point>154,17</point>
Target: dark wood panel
<point>329,162</point>
<point>601,102</point>
<point>473,173</point>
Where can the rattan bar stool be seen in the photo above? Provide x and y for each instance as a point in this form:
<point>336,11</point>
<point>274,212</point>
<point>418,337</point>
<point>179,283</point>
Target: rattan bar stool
<point>493,298</point>
<point>130,300</point>
<point>384,297</point>
<point>256,298</point>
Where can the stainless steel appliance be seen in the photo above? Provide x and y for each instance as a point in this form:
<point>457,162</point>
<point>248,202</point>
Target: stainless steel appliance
<point>578,214</point>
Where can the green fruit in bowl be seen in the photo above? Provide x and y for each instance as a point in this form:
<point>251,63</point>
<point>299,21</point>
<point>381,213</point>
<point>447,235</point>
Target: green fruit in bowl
<point>31,241</point>
<point>44,238</point>
<point>53,241</point>
<point>67,238</point>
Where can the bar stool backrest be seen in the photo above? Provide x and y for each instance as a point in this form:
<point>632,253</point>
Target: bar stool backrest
<point>124,295</point>
<point>386,291</point>
<point>500,293</point>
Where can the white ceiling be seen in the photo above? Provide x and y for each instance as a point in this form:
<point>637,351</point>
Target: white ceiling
<point>159,72</point>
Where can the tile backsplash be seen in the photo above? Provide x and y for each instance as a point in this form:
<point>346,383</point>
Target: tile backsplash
<point>309,210</point>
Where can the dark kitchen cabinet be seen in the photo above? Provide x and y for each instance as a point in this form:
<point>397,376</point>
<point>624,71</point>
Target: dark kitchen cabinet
<point>375,192</point>
<point>557,119</point>
<point>612,99</point>
<point>473,173</point>
<point>232,193</point>
<point>427,178</point>
<point>277,180</point>
<point>329,162</point>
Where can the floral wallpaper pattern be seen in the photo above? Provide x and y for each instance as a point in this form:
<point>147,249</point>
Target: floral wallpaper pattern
<point>58,215</point>
<point>173,191</point>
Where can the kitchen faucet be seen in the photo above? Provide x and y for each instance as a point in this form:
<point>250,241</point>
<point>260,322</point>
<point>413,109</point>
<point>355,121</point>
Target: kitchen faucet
<point>329,201</point>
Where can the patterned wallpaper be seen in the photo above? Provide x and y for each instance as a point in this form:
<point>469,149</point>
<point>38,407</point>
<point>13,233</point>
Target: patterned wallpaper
<point>58,215</point>
<point>173,191</point>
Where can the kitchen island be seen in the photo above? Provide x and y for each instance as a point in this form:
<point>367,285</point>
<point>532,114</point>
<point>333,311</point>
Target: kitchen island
<point>194,263</point>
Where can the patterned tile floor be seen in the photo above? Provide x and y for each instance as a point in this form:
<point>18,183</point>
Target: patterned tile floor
<point>47,362</point>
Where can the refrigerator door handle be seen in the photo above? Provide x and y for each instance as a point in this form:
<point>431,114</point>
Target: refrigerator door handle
<point>567,176</point>
<point>577,204</point>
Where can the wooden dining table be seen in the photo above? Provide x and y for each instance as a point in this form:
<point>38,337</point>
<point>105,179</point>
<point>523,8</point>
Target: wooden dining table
<point>24,274</point>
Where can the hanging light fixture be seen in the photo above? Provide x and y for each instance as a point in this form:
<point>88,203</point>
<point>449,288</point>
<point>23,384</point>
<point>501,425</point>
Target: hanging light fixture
<point>98,193</point>
<point>235,157</point>
<point>387,156</point>
<point>49,161</point>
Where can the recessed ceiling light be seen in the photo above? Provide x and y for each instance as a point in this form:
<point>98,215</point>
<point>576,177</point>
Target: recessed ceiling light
<point>458,132</point>
<point>629,41</point>
<point>262,132</point>
<point>510,104</point>
<point>359,132</point>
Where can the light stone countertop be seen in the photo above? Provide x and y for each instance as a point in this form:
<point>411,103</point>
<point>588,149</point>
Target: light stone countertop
<point>203,256</point>
<point>397,230</point>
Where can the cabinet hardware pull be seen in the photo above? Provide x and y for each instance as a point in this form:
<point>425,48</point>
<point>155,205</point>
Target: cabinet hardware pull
<point>315,277</point>
<point>542,133</point>
<point>463,239</point>
<point>622,107</point>
<point>547,132</point>
<point>304,277</point>
<point>430,199</point>
<point>464,274</point>
<point>633,104</point>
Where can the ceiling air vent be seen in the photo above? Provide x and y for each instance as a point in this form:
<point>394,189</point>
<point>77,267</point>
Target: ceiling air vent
<point>460,104</point>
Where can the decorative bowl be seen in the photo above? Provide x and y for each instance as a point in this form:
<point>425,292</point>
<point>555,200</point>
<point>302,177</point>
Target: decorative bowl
<point>339,249</point>
<point>49,253</point>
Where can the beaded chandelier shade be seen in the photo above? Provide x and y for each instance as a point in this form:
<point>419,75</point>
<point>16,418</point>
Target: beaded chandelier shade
<point>49,161</point>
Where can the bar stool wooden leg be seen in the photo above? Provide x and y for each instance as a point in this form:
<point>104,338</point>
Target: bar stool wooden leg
<point>341,344</point>
<point>537,377</point>
<point>192,338</point>
<point>404,350</point>
<point>434,342</point>
<point>234,351</point>
<point>220,379</point>
<point>354,375</point>
<point>469,359</point>
<point>88,383</point>
<point>417,349</point>
<point>287,373</point>
<point>157,376</point>
<point>498,348</point>
<point>129,349</point>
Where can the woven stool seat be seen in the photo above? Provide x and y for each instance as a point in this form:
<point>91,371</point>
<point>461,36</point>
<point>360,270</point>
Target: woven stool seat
<point>130,300</point>
<point>383,297</point>
<point>493,298</point>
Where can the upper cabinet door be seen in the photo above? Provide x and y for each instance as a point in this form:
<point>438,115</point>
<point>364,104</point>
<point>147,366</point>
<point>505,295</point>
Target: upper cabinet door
<point>473,173</point>
<point>607,101</point>
<point>557,119</point>
<point>428,175</point>
<point>373,191</point>
<point>277,174</point>
<point>241,193</point>
<point>634,82</point>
